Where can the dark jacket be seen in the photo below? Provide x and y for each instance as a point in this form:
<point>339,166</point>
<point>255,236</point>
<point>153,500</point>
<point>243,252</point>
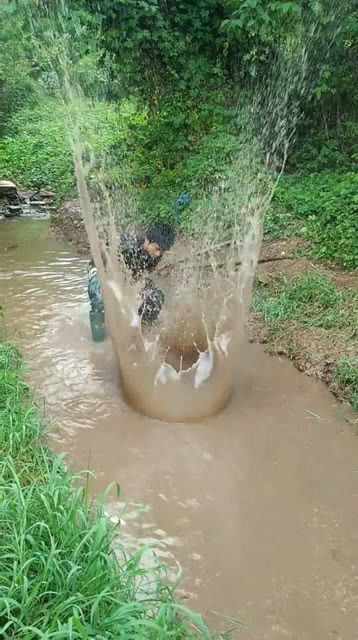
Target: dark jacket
<point>134,257</point>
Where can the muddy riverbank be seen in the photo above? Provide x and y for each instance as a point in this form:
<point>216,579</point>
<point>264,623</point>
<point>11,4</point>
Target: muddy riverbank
<point>256,504</point>
<point>67,224</point>
<point>319,332</point>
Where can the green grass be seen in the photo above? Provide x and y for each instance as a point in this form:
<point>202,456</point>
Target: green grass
<point>311,299</point>
<point>59,576</point>
<point>289,306</point>
<point>346,374</point>
<point>322,208</point>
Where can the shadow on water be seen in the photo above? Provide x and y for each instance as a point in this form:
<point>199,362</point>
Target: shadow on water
<point>255,503</point>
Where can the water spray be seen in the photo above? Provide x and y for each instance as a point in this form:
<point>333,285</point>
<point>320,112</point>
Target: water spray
<point>183,367</point>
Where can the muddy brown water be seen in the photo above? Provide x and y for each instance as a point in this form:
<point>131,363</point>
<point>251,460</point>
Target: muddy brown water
<point>258,504</point>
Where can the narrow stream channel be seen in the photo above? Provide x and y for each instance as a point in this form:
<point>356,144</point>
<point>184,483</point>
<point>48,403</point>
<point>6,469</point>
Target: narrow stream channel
<point>258,504</point>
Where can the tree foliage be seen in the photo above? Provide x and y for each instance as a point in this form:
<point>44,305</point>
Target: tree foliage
<point>173,72</point>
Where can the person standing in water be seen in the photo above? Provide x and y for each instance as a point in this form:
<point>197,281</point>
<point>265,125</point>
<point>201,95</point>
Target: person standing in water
<point>140,254</point>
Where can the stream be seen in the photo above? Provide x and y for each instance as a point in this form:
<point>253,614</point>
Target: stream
<point>256,504</point>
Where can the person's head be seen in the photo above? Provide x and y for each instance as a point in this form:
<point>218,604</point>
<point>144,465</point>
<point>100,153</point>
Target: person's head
<point>158,239</point>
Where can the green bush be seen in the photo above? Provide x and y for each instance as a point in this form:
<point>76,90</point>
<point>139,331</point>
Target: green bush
<point>36,149</point>
<point>203,164</point>
<point>323,207</point>
<point>335,150</point>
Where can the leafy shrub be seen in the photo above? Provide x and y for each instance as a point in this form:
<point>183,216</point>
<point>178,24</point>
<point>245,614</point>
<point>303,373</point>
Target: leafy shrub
<point>334,150</point>
<point>36,150</point>
<point>203,164</point>
<point>324,207</point>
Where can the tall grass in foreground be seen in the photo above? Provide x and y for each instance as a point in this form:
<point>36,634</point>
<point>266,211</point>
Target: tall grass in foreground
<point>59,577</point>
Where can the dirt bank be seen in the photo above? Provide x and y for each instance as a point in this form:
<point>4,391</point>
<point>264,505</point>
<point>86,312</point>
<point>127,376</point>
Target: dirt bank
<point>318,351</point>
<point>67,224</point>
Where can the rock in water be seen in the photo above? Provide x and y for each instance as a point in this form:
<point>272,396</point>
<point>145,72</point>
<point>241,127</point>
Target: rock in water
<point>7,187</point>
<point>43,193</point>
<point>12,211</point>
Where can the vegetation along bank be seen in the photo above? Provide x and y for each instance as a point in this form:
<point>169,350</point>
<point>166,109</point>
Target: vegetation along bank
<point>60,577</point>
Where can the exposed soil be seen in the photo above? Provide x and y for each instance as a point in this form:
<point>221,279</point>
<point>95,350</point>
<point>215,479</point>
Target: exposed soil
<point>294,264</point>
<point>67,224</point>
<point>313,350</point>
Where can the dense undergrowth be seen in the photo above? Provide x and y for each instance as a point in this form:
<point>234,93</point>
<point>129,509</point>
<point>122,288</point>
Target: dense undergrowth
<point>59,575</point>
<point>322,208</point>
<point>167,78</point>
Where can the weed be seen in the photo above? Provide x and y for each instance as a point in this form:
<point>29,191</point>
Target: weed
<point>289,307</point>
<point>322,207</point>
<point>59,576</point>
<point>346,375</point>
<point>310,299</point>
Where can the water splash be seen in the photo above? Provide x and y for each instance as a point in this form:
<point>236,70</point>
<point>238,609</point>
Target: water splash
<point>184,368</point>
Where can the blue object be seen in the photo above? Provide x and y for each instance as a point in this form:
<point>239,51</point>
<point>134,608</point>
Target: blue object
<point>179,205</point>
<point>182,200</point>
